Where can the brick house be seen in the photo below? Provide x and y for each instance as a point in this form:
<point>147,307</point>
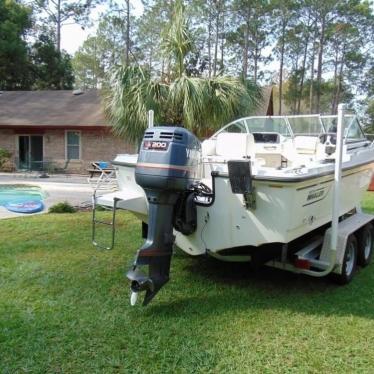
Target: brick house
<point>64,130</point>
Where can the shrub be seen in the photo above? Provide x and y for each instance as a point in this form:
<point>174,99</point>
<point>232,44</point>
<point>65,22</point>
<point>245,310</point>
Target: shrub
<point>4,157</point>
<point>64,207</point>
<point>8,166</point>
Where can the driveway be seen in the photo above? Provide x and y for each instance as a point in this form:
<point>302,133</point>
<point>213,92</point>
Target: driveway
<point>71,188</point>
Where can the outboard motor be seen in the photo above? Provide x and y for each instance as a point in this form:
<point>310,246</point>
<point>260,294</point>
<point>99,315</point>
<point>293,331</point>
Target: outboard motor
<point>168,165</point>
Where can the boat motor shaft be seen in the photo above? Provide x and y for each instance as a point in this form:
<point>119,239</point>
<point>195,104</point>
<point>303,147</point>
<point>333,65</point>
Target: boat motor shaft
<point>157,250</point>
<point>168,165</point>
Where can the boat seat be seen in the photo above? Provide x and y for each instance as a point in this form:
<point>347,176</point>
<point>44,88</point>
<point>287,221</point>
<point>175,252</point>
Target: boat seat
<point>235,145</point>
<point>227,146</point>
<point>208,147</point>
<point>306,145</point>
<point>301,150</point>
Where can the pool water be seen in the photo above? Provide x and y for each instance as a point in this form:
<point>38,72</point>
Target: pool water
<point>19,193</point>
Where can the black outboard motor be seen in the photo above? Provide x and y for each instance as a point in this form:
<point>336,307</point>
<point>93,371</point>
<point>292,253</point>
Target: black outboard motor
<point>168,164</point>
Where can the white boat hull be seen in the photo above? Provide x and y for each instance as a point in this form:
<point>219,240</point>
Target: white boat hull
<point>284,210</point>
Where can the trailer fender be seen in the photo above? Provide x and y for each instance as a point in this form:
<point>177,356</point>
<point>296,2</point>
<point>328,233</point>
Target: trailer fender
<point>345,228</point>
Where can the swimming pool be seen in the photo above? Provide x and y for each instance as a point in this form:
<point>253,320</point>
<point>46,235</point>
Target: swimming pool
<point>19,197</point>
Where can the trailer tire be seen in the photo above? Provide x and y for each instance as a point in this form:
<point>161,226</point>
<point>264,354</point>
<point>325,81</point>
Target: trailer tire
<point>365,239</point>
<point>349,262</point>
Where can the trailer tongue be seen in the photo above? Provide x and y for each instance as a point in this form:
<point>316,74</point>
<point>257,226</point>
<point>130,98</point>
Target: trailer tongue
<point>168,165</point>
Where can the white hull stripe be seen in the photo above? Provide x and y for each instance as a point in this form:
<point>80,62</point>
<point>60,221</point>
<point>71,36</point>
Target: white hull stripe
<point>163,166</point>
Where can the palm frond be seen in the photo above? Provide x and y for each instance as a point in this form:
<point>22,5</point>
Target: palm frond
<point>128,95</point>
<point>177,40</point>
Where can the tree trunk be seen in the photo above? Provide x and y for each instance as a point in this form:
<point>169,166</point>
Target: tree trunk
<point>302,78</point>
<point>311,93</point>
<point>58,26</point>
<point>222,40</point>
<point>127,51</point>
<point>281,69</point>
<point>336,63</point>
<point>255,58</point>
<point>255,73</point>
<point>150,59</point>
<point>320,61</point>
<point>245,51</point>
<point>95,64</point>
<point>340,82</point>
<point>163,70</point>
<point>209,44</point>
<point>216,44</point>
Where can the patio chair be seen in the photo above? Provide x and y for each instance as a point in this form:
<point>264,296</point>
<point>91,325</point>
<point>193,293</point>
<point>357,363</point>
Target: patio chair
<point>100,167</point>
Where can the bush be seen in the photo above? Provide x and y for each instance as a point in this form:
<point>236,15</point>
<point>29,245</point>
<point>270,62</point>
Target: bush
<point>4,157</point>
<point>64,207</point>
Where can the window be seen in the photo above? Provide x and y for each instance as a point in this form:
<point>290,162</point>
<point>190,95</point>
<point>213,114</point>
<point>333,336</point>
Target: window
<point>73,145</point>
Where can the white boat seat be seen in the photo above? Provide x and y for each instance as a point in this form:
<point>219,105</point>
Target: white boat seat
<point>235,145</point>
<point>306,145</point>
<point>208,147</point>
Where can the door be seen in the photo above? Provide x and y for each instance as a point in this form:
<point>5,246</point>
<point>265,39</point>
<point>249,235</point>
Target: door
<point>30,152</point>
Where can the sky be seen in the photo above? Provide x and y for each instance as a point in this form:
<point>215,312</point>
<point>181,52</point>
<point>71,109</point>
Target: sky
<point>73,36</point>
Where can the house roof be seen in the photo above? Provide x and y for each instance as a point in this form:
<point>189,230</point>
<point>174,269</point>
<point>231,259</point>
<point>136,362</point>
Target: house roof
<point>51,109</point>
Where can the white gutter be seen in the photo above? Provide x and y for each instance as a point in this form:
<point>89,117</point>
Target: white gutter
<point>336,197</point>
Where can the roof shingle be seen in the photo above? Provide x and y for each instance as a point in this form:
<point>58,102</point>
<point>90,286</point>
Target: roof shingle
<point>51,108</point>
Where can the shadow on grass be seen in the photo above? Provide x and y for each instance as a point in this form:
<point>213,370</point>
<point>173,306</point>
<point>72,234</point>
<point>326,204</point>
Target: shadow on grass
<point>226,287</point>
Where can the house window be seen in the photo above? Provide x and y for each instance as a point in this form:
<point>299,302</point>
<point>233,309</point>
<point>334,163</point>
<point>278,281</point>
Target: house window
<point>73,145</point>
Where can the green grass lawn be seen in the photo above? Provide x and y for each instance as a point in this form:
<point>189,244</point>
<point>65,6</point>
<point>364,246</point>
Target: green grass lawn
<point>64,307</point>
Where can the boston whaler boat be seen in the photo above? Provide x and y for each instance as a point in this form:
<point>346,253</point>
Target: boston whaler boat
<point>281,191</point>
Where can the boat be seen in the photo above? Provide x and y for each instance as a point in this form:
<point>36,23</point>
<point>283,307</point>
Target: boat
<point>261,189</point>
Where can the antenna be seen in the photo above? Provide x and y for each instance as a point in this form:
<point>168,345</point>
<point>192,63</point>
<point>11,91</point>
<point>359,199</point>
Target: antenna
<point>150,118</point>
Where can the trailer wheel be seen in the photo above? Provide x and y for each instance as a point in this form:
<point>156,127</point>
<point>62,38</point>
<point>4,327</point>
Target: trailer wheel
<point>349,262</point>
<point>365,239</point>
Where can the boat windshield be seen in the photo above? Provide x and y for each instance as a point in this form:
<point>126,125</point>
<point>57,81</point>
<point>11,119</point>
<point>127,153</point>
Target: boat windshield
<point>268,124</point>
<point>352,128</point>
<point>290,126</point>
<point>259,124</point>
<point>310,125</point>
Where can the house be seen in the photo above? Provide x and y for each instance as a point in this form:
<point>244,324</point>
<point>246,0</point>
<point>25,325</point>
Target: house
<point>62,130</point>
<point>65,130</point>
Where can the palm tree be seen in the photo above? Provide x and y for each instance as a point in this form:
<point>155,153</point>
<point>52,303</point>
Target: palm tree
<point>199,104</point>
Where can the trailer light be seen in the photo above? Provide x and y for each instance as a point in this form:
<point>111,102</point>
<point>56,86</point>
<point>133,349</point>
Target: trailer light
<point>302,263</point>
